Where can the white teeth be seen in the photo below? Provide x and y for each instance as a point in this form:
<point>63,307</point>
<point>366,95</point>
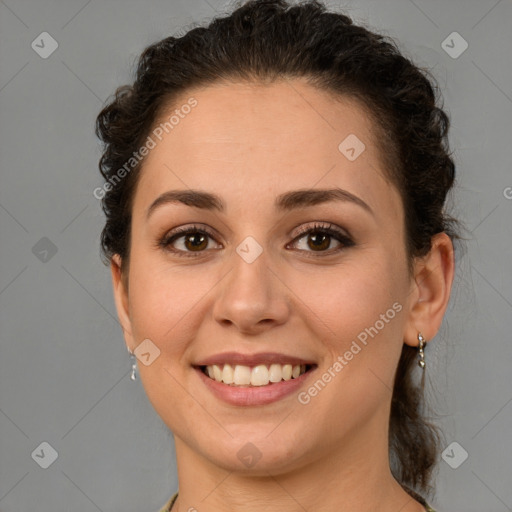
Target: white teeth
<point>227,374</point>
<point>242,375</point>
<point>274,373</point>
<point>260,375</point>
<point>217,373</point>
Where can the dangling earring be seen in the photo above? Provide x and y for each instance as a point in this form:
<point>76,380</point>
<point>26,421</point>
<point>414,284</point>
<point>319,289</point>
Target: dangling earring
<point>422,341</point>
<point>133,375</point>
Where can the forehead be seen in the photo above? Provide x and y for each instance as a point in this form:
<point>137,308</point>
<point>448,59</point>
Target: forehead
<point>275,117</point>
<point>261,137</point>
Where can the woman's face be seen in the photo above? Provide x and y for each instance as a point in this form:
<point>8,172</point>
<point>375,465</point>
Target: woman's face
<point>257,284</point>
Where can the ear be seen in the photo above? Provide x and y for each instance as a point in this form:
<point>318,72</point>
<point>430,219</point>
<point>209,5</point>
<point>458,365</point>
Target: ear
<point>120,289</point>
<point>430,292</point>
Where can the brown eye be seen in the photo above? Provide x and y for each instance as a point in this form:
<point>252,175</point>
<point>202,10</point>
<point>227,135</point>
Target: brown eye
<point>183,242</point>
<point>317,241</point>
<point>195,241</point>
<point>319,238</point>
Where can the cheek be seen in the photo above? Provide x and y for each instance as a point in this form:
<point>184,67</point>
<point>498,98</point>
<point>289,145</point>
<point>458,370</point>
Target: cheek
<point>165,301</point>
<point>359,316</point>
<point>351,297</point>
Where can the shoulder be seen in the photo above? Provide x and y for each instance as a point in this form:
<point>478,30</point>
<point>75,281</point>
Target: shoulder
<point>169,504</point>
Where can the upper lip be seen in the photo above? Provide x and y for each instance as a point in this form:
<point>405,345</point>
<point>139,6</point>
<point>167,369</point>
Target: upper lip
<point>234,358</point>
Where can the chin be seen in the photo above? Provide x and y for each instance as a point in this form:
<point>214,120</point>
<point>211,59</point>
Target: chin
<point>257,455</point>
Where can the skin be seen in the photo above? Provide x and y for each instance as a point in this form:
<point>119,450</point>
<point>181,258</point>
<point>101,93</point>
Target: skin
<point>248,143</point>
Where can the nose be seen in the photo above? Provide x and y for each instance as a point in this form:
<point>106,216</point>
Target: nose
<point>253,297</point>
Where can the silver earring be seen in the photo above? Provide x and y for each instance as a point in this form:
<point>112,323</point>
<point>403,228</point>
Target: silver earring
<point>133,375</point>
<point>422,341</point>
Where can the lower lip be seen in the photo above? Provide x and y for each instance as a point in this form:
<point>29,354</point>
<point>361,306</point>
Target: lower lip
<point>255,395</point>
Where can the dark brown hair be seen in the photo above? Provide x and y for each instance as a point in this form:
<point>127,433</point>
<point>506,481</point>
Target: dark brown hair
<point>268,40</point>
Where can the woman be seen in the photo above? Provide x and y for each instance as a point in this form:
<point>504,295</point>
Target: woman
<point>280,256</point>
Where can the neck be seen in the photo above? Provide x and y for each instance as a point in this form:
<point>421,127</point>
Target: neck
<point>356,476</point>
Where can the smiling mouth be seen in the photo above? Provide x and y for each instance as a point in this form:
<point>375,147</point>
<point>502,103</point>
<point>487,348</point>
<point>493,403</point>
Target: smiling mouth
<point>255,376</point>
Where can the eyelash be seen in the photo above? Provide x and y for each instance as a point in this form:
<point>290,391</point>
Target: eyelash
<point>165,242</point>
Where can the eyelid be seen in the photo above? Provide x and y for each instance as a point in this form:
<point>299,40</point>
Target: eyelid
<point>322,226</point>
<point>340,234</point>
<point>165,240</point>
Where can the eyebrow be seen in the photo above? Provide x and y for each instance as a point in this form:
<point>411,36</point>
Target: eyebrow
<point>285,202</point>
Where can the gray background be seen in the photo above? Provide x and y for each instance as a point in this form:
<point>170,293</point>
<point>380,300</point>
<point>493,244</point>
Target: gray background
<point>64,368</point>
